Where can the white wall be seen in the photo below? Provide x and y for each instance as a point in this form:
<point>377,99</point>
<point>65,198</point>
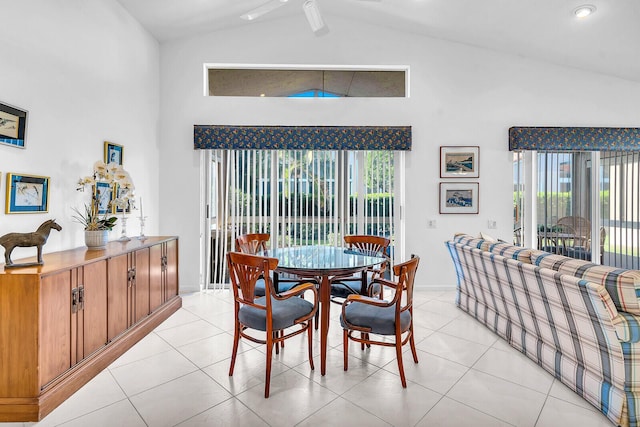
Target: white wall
<point>87,73</point>
<point>460,95</point>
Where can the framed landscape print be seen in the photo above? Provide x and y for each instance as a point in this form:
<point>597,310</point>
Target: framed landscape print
<point>27,194</point>
<point>13,125</point>
<point>459,197</point>
<point>459,161</point>
<point>113,153</point>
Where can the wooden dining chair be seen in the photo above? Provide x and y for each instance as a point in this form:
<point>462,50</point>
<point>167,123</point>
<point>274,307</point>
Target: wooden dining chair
<point>363,283</point>
<point>257,244</point>
<point>252,243</point>
<point>368,315</point>
<point>273,314</point>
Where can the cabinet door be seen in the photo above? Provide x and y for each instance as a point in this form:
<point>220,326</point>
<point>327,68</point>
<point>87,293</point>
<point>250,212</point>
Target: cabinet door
<point>141,284</point>
<point>93,285</point>
<point>55,324</point>
<point>171,269</point>
<point>118,295</point>
<point>155,277</point>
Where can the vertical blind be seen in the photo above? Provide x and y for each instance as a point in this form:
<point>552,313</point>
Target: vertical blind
<point>620,208</point>
<point>300,197</point>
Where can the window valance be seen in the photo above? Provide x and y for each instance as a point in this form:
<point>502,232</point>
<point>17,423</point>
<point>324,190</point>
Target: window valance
<point>302,137</point>
<point>574,139</point>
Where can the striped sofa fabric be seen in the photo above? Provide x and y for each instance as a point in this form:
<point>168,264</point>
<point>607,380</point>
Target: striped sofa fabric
<point>563,319</point>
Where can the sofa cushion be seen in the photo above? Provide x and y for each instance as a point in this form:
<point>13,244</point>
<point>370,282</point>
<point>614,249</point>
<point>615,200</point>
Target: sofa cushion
<point>510,251</point>
<point>623,285</point>
<point>487,237</point>
<point>627,327</point>
<point>548,260</point>
<point>468,240</point>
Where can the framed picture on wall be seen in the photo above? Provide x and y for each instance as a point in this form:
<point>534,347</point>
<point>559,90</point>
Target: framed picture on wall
<point>459,197</point>
<point>121,202</point>
<point>103,193</point>
<point>113,153</point>
<point>13,125</point>
<point>459,161</point>
<point>27,194</point>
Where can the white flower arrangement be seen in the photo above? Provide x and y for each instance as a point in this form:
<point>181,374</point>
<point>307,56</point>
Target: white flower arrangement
<point>121,186</point>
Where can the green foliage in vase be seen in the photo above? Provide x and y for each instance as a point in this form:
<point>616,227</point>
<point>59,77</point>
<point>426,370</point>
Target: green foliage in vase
<point>92,221</point>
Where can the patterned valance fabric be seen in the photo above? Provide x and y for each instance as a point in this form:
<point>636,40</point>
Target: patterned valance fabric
<point>574,139</point>
<point>302,137</point>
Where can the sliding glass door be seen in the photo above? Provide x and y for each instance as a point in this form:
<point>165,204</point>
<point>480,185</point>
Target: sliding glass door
<point>300,197</point>
<point>586,204</point>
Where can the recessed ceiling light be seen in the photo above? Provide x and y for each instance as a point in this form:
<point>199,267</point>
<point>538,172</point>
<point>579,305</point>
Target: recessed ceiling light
<point>584,10</point>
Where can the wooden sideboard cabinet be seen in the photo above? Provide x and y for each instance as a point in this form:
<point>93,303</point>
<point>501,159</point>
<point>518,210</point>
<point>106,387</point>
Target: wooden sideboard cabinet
<point>128,290</point>
<point>64,322</point>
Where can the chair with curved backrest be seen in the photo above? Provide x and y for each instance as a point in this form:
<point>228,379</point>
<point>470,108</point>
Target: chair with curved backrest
<point>580,228</point>
<point>369,245</point>
<point>271,314</point>
<point>369,315</point>
<point>256,244</point>
<point>517,236</point>
<point>584,253</point>
<point>252,243</point>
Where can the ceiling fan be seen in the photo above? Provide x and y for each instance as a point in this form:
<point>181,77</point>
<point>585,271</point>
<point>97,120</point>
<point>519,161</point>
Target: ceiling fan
<point>310,8</point>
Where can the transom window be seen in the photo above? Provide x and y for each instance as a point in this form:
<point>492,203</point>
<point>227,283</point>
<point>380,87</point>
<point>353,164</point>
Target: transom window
<point>316,83</point>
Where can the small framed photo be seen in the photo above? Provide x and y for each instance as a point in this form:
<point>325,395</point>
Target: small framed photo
<point>13,125</point>
<point>103,193</point>
<point>121,203</point>
<point>113,153</point>
<point>459,197</point>
<point>27,194</point>
<point>459,162</point>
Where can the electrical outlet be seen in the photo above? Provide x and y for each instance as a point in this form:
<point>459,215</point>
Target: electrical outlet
<point>492,224</point>
<point>431,223</point>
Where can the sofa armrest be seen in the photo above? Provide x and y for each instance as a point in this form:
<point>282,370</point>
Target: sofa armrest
<point>627,327</point>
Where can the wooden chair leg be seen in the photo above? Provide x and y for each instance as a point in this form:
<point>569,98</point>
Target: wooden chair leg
<point>400,364</point>
<point>310,339</point>
<point>345,345</point>
<point>277,343</point>
<point>365,335</point>
<point>234,352</point>
<point>267,379</point>
<point>317,319</point>
<point>412,343</point>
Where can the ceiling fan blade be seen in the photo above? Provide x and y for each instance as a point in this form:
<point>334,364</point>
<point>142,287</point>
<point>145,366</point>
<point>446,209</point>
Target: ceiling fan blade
<point>263,9</point>
<point>314,17</point>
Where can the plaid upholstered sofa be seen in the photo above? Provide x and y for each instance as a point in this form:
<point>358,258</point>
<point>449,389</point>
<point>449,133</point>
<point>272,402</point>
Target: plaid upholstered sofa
<point>579,321</point>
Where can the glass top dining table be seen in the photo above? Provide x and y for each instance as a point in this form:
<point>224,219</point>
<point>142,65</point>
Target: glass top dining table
<point>322,263</point>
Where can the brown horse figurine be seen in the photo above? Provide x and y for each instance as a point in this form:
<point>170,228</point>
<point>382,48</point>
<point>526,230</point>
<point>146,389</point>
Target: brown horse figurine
<point>38,238</point>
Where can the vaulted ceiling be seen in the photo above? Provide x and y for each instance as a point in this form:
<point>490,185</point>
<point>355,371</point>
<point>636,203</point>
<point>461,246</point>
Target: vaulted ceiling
<point>606,42</point>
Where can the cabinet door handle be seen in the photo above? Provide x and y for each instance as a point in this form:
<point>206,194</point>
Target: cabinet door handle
<point>74,300</point>
<point>131,276</point>
<point>81,297</point>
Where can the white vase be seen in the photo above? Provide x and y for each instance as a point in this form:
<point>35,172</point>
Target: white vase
<point>96,239</point>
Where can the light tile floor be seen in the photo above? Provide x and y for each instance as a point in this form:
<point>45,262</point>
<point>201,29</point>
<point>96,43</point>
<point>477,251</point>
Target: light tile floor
<point>178,375</point>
